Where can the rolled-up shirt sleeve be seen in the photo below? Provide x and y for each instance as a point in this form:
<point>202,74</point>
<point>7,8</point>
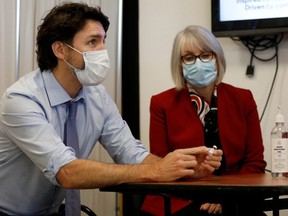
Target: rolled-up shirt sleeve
<point>57,160</point>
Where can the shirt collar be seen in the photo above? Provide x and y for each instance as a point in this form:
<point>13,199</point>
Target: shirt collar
<point>56,94</point>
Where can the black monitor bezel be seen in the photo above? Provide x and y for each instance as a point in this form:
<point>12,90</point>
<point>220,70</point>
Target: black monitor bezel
<point>245,27</point>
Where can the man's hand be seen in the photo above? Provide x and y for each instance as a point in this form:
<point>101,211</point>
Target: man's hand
<point>186,163</point>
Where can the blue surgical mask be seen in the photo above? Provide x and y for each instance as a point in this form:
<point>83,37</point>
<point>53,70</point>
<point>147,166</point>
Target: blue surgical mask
<point>200,74</point>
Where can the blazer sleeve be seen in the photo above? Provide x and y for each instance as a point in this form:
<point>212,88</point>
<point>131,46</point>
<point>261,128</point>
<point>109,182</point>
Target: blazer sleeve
<point>240,131</point>
<point>253,161</point>
<point>158,132</point>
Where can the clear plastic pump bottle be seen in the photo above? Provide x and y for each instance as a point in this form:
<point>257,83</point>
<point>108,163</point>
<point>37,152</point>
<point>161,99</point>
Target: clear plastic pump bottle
<point>279,147</point>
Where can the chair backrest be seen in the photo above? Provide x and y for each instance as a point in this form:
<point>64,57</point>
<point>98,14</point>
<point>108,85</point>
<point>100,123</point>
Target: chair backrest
<point>87,210</point>
<point>84,209</point>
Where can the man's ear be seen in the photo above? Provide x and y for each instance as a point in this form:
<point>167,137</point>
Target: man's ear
<point>58,49</point>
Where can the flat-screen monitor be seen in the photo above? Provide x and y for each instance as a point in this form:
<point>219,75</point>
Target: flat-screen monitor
<point>236,18</point>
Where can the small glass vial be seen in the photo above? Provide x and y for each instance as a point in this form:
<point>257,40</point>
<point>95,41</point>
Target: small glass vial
<point>279,147</point>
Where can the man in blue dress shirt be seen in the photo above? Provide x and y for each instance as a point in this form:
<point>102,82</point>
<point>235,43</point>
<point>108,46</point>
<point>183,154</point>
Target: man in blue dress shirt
<point>35,165</point>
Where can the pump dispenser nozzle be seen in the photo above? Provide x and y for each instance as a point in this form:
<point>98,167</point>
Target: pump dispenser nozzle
<point>279,117</point>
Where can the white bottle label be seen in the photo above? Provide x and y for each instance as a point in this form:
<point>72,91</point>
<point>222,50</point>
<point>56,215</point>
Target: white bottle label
<point>279,155</point>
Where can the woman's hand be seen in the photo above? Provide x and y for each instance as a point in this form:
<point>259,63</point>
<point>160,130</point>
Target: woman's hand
<point>211,208</point>
<point>206,163</point>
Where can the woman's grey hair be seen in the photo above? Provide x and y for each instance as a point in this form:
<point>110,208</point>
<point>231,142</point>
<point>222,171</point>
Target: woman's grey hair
<point>200,38</point>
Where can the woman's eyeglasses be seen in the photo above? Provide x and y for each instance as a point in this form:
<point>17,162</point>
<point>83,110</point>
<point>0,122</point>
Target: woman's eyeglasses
<point>191,59</point>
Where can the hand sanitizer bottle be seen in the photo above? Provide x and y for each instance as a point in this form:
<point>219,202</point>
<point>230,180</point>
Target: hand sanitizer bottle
<point>279,147</point>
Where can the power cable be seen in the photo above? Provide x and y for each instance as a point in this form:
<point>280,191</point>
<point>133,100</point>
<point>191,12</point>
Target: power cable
<point>256,44</point>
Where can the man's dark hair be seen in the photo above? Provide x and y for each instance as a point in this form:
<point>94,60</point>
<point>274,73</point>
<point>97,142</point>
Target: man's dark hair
<point>61,24</point>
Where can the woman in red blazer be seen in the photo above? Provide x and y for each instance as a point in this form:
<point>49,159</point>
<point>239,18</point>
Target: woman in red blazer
<point>201,110</point>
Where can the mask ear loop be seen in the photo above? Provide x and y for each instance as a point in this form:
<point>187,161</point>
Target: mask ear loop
<point>70,65</point>
<point>75,69</point>
<point>73,48</point>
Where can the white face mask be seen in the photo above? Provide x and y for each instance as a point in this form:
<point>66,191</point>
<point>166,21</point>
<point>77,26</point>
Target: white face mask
<point>96,67</point>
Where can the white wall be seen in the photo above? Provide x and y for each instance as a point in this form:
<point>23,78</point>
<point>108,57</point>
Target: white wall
<point>161,20</point>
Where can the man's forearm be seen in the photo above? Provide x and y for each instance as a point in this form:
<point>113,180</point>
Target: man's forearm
<point>182,163</point>
<point>87,174</point>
